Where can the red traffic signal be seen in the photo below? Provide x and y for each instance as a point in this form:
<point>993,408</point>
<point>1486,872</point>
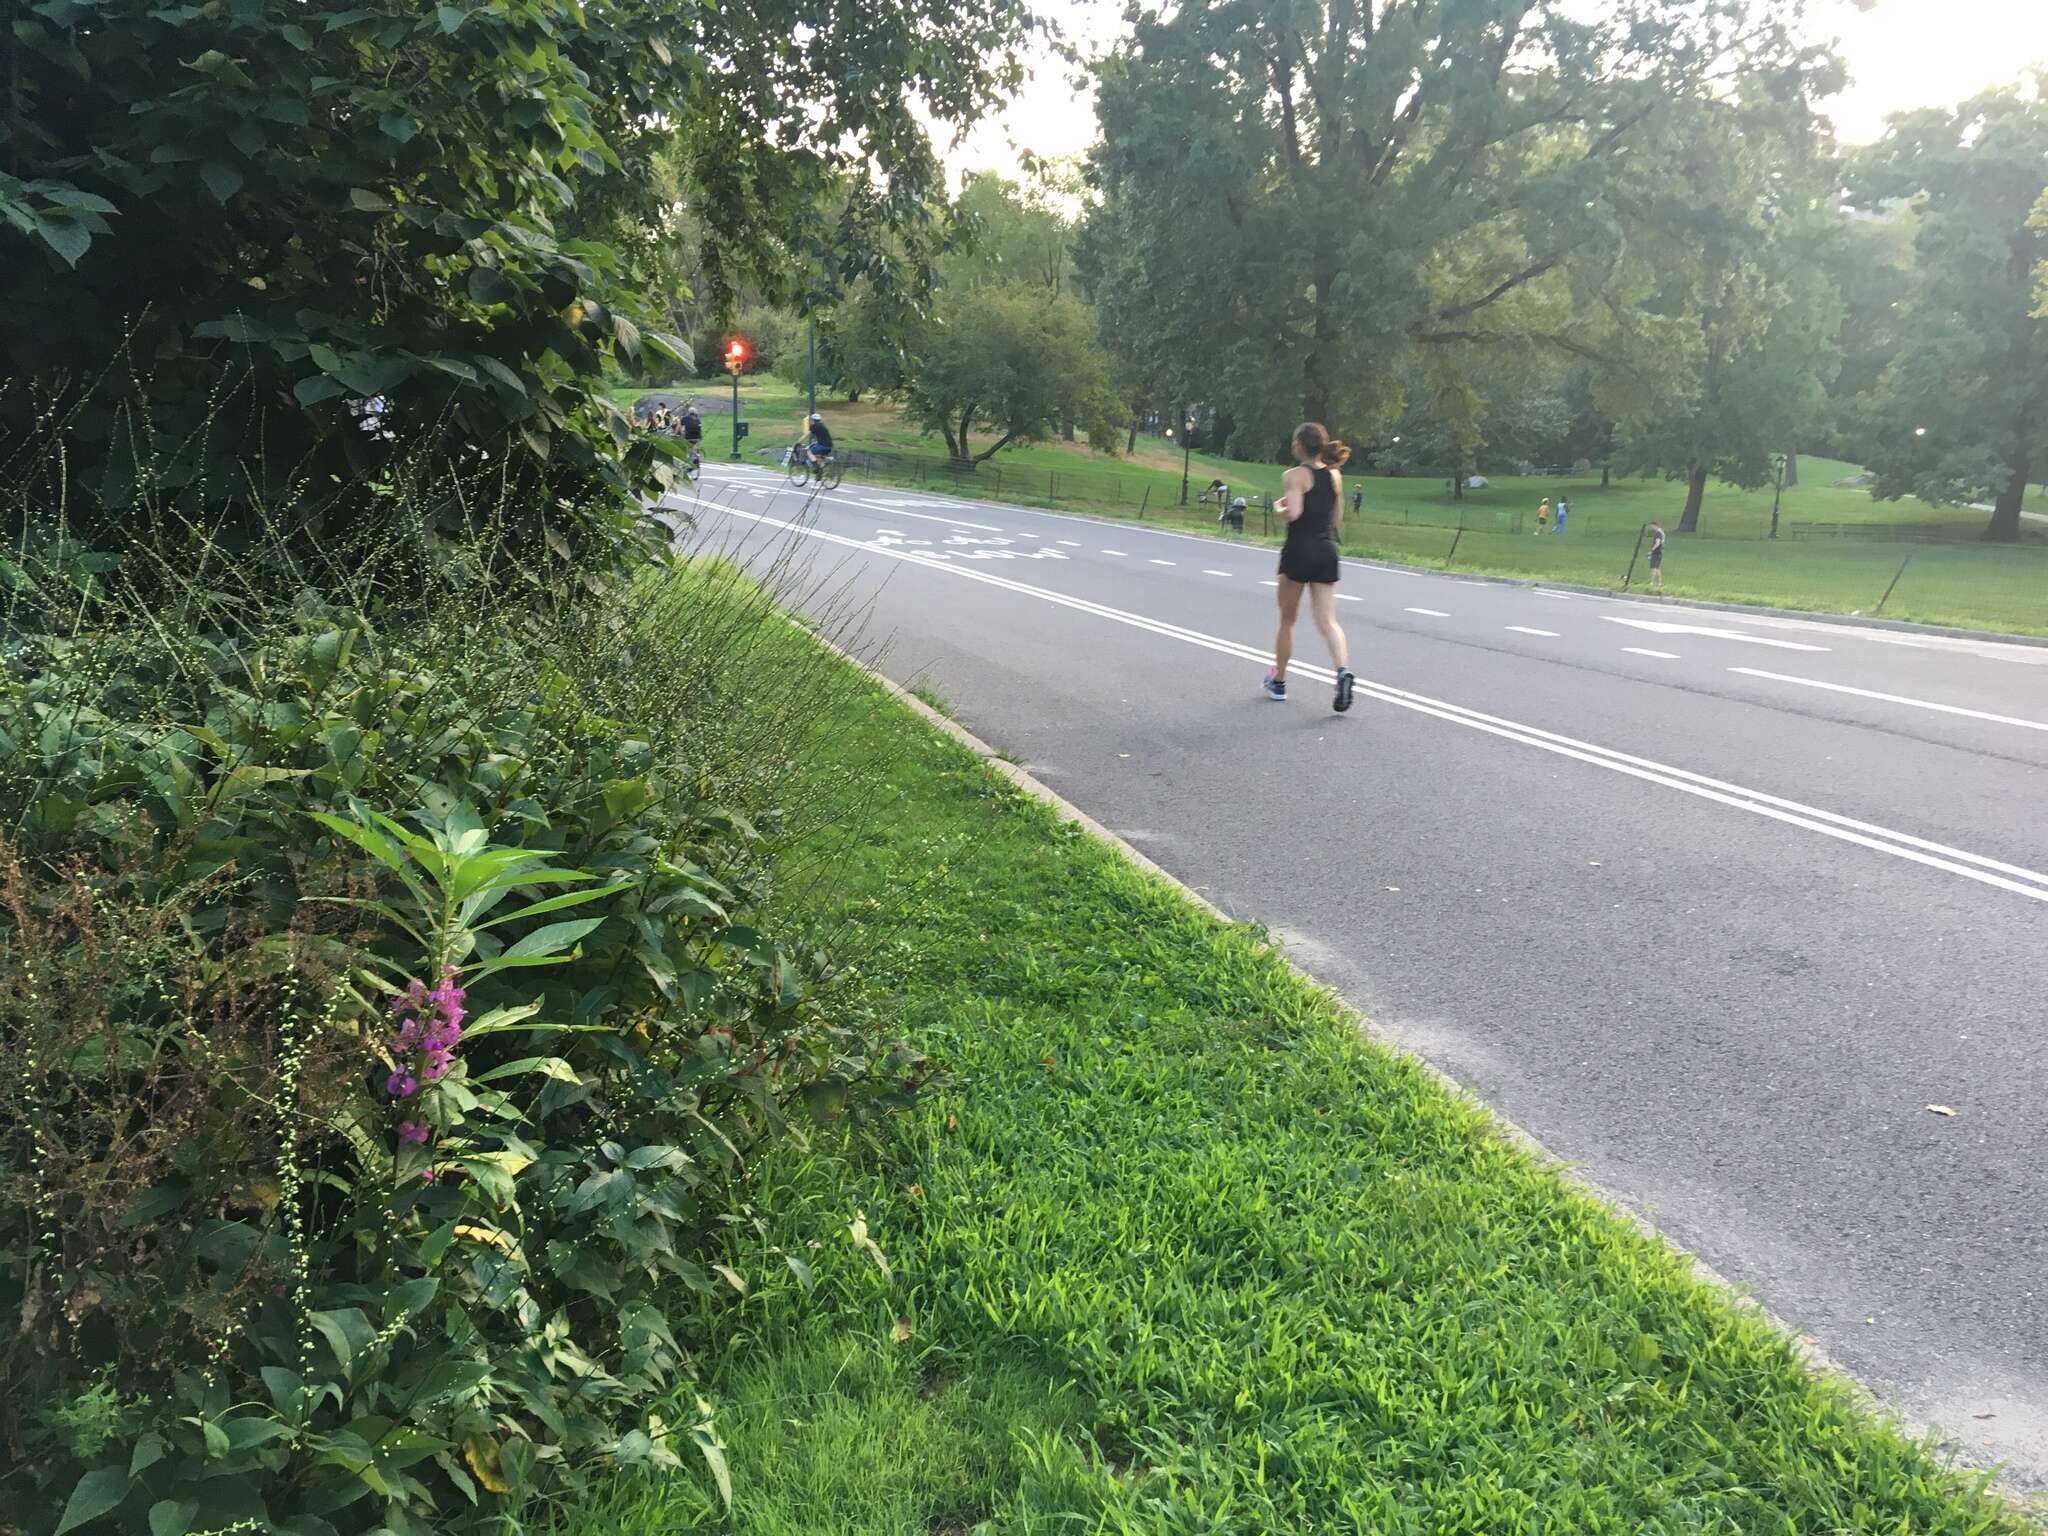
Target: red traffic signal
<point>735,356</point>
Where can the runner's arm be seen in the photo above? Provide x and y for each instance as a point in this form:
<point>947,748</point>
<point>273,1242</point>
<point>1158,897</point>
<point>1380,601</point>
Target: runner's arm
<point>1292,484</point>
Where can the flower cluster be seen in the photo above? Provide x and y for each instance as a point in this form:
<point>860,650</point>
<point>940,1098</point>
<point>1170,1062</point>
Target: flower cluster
<point>426,1028</point>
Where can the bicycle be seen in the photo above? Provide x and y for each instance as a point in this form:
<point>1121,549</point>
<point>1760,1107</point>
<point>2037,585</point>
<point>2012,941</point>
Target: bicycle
<point>828,473</point>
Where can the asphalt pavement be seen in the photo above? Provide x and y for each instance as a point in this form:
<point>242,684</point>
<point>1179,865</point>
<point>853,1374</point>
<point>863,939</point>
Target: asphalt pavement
<point>1720,907</point>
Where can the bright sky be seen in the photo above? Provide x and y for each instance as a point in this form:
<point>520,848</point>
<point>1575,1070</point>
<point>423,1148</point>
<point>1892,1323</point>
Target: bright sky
<point>1901,54</point>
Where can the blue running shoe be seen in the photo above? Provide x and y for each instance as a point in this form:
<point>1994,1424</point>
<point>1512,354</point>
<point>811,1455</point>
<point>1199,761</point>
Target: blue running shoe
<point>1275,688</point>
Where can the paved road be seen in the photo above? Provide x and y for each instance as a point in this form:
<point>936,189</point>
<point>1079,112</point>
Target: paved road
<point>1715,905</point>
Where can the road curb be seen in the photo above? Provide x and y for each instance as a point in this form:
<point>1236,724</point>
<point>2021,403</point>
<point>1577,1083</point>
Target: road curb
<point>1809,1349</point>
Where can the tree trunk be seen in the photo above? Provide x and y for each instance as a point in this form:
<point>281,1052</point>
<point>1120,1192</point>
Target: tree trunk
<point>1606,476</point>
<point>1317,367</point>
<point>2005,512</point>
<point>1067,431</point>
<point>1791,481</point>
<point>1131,447</point>
<point>1457,475</point>
<point>1695,493</point>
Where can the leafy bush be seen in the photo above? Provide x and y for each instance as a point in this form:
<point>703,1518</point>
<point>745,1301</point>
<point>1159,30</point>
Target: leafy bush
<point>385,1026</point>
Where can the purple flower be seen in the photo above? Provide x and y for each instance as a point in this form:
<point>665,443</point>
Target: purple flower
<point>408,1036</point>
<point>401,1084</point>
<point>426,1175</point>
<point>435,1065</point>
<point>412,1133</point>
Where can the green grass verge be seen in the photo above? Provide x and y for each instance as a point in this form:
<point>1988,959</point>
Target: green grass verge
<point>1173,1249</point>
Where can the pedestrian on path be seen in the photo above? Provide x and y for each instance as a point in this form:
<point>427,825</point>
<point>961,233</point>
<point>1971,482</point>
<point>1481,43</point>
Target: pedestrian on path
<point>1564,509</point>
<point>1657,557</point>
<point>1312,502</point>
<point>1543,517</point>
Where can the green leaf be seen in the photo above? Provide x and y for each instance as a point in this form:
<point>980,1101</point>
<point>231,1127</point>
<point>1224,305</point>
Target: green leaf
<point>545,1066</point>
<point>346,1331</point>
<point>283,1386</point>
<point>65,235</point>
<point>714,1458</point>
<point>487,285</point>
<point>498,1020</point>
<point>372,842</point>
<point>627,797</point>
<point>674,348</point>
<point>363,200</point>
<point>555,904</point>
<point>97,1492</point>
<point>172,1517</point>
<point>435,1243</point>
<point>311,391</point>
<point>398,125</point>
<point>551,939</point>
<point>451,16</point>
<point>149,1450</point>
<point>223,181</point>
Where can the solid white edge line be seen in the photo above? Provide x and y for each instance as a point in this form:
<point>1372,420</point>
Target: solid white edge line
<point>1894,698</point>
<point>1902,845</point>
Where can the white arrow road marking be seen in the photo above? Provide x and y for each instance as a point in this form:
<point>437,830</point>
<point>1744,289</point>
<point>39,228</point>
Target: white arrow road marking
<point>1657,627</point>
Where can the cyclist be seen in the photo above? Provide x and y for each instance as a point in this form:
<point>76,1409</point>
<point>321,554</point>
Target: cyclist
<point>821,440</point>
<point>693,434</point>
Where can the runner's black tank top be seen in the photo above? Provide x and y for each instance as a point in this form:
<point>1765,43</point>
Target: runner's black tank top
<point>1317,503</point>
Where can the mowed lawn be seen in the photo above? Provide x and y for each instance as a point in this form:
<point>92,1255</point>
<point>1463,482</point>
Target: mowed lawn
<point>1171,1248</point>
<point>1418,521</point>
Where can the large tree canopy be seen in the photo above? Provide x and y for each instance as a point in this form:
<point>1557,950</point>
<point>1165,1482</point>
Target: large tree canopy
<point>1961,413</point>
<point>355,198</point>
<point>1019,361</point>
<point>1311,188</point>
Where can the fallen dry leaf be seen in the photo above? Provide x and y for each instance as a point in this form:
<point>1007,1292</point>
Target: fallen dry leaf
<point>901,1332</point>
<point>1939,1109</point>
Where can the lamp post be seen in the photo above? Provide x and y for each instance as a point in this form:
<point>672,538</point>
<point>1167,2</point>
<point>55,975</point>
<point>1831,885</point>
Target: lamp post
<point>1778,495</point>
<point>811,370</point>
<point>1186,448</point>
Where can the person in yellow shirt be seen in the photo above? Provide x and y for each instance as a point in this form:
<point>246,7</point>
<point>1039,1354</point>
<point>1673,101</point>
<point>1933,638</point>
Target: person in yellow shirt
<point>1543,517</point>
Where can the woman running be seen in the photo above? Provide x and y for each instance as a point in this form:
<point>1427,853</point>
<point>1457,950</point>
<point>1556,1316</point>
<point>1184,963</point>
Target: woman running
<point>1312,499</point>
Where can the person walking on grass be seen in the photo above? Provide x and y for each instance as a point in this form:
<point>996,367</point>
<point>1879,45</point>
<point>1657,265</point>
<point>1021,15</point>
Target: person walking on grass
<point>1543,518</point>
<point>1312,502</point>
<point>1657,557</point>
<point>1564,510</point>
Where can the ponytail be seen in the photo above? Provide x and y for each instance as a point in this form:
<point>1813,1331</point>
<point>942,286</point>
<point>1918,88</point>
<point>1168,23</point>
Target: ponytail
<point>1315,442</point>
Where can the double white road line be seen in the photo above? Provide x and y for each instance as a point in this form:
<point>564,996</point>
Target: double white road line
<point>1900,845</point>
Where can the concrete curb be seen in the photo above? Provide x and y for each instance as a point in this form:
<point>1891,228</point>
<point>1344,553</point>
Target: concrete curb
<point>1809,1349</point>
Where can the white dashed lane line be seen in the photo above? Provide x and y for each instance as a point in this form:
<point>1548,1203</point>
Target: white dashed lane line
<point>1071,543</point>
<point>1118,553</point>
<point>1216,573</point>
<point>1637,650</point>
<point>1346,597</point>
<point>1523,629</point>
<point>1162,562</point>
<point>1428,613</point>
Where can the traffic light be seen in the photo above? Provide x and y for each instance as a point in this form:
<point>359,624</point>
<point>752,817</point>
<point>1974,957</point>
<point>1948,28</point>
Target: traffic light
<point>735,356</point>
